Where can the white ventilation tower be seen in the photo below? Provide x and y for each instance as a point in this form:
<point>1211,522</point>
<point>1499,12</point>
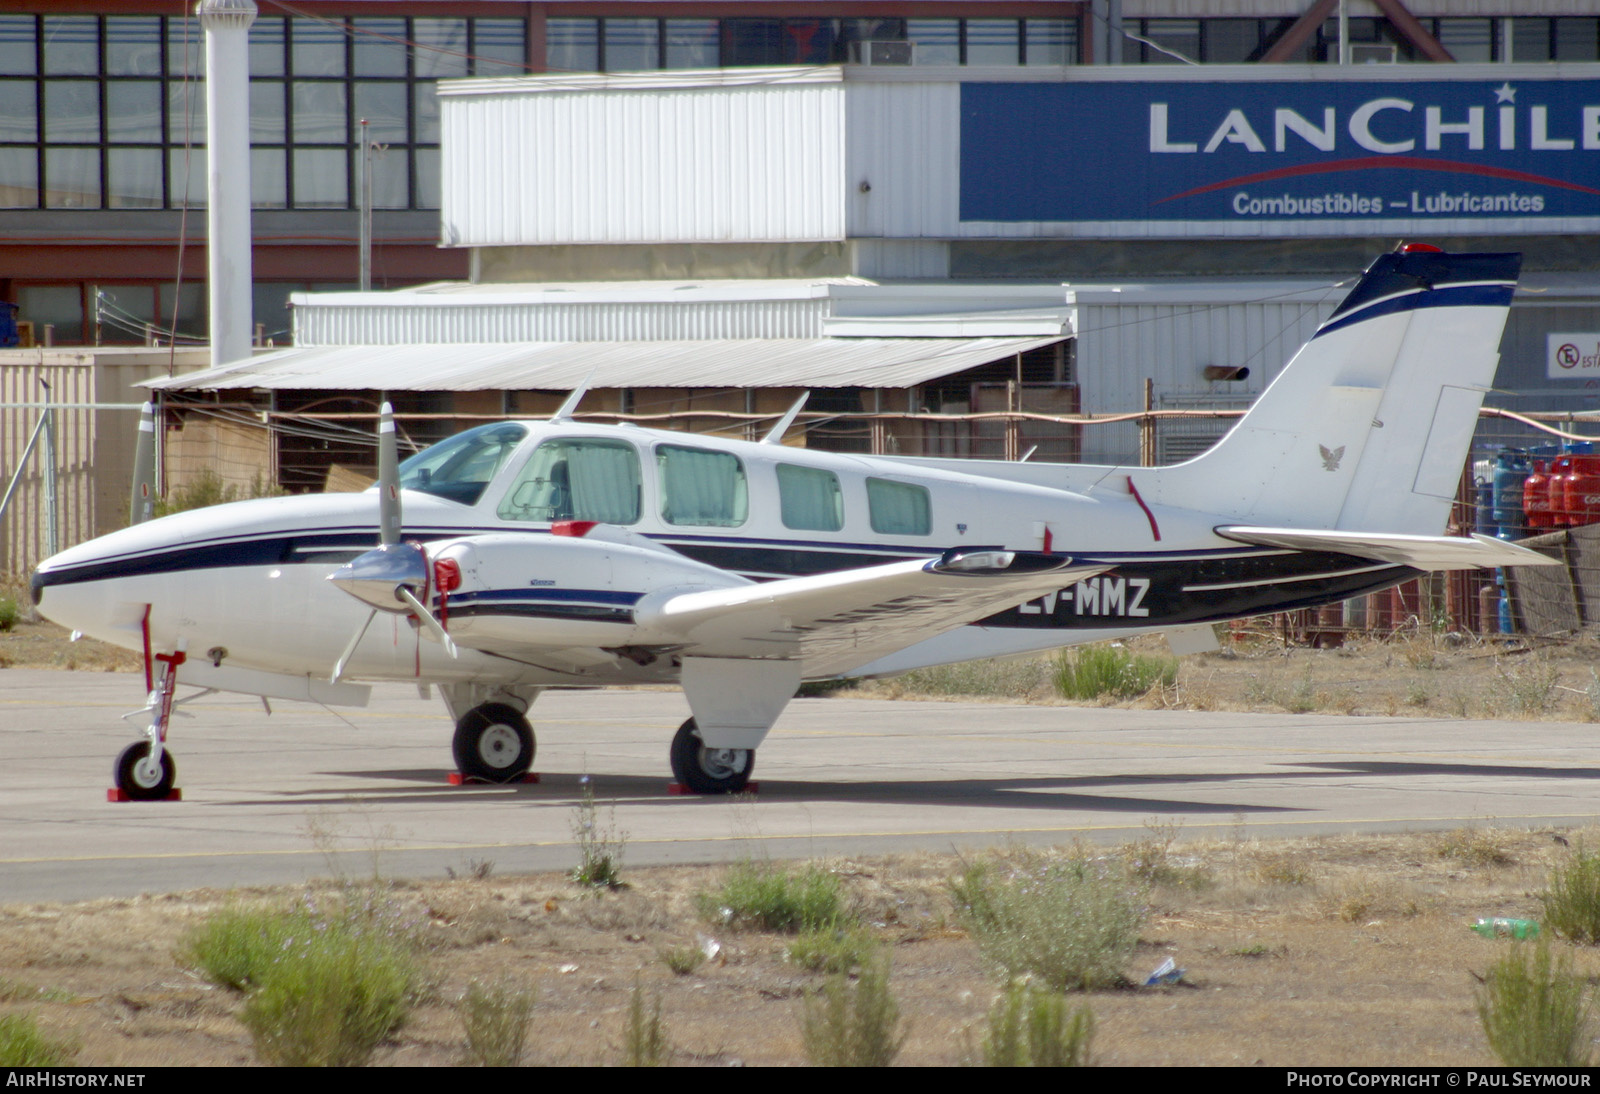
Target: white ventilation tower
<point>227,27</point>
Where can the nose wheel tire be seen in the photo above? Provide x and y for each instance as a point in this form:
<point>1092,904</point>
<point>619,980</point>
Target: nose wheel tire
<point>493,742</point>
<point>140,778</point>
<point>709,770</point>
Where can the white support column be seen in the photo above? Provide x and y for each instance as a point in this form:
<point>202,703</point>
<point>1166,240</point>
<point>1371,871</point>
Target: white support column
<point>227,28</point>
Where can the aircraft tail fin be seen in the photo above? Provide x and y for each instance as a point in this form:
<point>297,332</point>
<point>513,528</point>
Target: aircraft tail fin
<point>1368,427</point>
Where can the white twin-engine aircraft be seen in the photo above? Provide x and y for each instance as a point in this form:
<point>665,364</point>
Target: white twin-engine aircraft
<point>555,553</point>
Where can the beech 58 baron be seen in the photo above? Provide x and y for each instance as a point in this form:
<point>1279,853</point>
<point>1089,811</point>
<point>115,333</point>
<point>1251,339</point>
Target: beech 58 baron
<point>551,553</point>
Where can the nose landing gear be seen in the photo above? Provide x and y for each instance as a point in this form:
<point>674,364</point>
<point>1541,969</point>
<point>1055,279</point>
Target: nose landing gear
<point>145,770</point>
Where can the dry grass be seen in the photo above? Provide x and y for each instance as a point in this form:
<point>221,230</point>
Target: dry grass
<point>1365,958</point>
<point>1440,676</point>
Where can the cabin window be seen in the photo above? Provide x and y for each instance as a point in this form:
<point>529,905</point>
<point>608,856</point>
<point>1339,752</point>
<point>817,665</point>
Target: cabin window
<point>579,479</point>
<point>702,487</point>
<point>810,499</point>
<point>459,468</point>
<point>899,508</point>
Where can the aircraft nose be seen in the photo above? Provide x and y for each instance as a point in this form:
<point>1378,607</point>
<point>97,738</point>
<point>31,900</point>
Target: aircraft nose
<point>373,577</point>
<point>36,588</point>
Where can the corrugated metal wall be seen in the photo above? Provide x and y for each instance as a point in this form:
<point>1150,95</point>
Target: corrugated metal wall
<point>93,448</point>
<point>340,324</point>
<point>1123,341</point>
<point>23,533</point>
<point>904,144</point>
<point>644,161</point>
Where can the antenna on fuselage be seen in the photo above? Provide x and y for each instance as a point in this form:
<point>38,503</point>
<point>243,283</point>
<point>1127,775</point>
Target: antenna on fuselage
<point>570,407</point>
<point>775,434</point>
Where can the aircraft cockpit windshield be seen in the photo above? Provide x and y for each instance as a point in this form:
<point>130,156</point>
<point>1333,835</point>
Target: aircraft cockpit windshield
<point>460,468</point>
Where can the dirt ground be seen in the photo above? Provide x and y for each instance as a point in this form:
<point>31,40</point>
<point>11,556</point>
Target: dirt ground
<point>1332,951</point>
<point>1337,951</point>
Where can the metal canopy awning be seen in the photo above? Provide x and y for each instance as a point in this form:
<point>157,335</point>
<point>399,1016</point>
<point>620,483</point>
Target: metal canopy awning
<point>559,366</point>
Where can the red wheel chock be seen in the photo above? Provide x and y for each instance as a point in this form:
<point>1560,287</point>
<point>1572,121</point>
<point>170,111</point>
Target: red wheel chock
<point>115,795</point>
<point>679,790</point>
<point>456,778</point>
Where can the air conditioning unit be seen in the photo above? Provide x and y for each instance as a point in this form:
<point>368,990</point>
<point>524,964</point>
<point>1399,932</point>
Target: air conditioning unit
<point>1372,53</point>
<point>882,53</point>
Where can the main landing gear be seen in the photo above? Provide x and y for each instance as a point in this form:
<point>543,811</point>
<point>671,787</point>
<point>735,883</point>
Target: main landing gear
<point>494,743</point>
<point>709,770</point>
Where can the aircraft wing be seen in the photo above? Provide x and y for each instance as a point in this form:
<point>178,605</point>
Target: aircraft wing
<point>1418,552</point>
<point>835,622</point>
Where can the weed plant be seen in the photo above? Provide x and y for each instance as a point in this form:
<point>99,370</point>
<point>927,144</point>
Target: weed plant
<point>1280,868</point>
<point>1535,1011</point>
<point>1032,1027</point>
<point>1110,672</point>
<point>853,1025</point>
<point>1530,689</point>
<point>495,1017</point>
<point>765,897</point>
<point>600,844</point>
<point>1150,859</point>
<point>832,949</point>
<point>327,983</point>
<point>1302,698</point>
<point>1071,923</point>
<point>22,1045</point>
<point>1474,847</point>
<point>236,947</point>
<point>8,613</point>
<point>1571,901</point>
<point>682,960</point>
<point>644,1038</point>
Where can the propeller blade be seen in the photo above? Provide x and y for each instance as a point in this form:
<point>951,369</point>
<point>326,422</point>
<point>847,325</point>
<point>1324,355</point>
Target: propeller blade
<point>142,505</point>
<point>349,651</point>
<point>428,620</point>
<point>389,523</point>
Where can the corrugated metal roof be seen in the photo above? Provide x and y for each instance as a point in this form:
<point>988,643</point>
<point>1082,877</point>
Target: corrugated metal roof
<point>750,362</point>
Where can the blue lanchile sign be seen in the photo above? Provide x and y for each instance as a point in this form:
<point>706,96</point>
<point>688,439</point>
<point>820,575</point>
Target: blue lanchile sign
<point>1317,151</point>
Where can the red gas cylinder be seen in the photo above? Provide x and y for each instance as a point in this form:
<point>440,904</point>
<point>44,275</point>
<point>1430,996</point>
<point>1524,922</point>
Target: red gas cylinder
<point>1556,491</point>
<point>1536,497</point>
<point>1581,491</point>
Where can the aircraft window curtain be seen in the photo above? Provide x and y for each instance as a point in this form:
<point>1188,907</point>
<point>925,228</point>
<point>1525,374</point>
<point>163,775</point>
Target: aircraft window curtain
<point>605,481</point>
<point>699,487</point>
<point>899,508</point>
<point>577,480</point>
<point>810,499</point>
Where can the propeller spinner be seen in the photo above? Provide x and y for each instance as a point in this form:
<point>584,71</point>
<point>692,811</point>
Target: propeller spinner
<point>388,578</point>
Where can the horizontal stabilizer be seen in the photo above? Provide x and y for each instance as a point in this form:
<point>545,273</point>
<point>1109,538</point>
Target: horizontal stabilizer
<point>1418,552</point>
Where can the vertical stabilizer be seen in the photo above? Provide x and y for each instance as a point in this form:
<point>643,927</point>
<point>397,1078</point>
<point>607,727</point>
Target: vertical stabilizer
<point>1368,427</point>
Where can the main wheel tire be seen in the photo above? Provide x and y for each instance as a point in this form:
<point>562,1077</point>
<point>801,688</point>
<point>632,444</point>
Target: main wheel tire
<point>493,742</point>
<point>141,780</point>
<point>709,770</point>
